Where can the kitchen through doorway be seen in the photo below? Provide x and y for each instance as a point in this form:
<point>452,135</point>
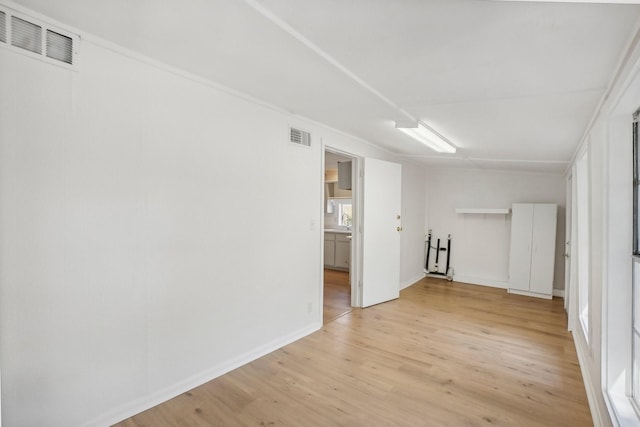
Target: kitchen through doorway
<point>339,215</point>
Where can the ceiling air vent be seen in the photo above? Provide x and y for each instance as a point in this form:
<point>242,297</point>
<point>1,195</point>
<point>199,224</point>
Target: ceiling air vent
<point>3,27</point>
<point>37,39</point>
<point>300,137</point>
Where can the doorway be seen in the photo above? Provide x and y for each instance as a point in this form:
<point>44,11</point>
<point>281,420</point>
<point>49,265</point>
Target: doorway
<point>371,264</point>
<point>339,211</point>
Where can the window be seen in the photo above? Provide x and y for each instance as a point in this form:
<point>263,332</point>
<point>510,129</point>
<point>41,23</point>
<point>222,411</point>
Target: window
<point>635,369</point>
<point>345,214</point>
<point>636,186</point>
<point>583,243</point>
<point>37,39</point>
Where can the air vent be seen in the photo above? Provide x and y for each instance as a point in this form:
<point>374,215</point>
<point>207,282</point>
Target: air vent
<point>300,137</point>
<point>3,27</point>
<point>37,39</point>
<point>26,35</point>
<point>59,47</point>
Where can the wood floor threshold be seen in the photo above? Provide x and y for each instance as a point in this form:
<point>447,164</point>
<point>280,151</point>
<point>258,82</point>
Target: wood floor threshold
<point>443,354</point>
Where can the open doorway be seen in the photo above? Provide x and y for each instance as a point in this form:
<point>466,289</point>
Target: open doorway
<point>339,216</point>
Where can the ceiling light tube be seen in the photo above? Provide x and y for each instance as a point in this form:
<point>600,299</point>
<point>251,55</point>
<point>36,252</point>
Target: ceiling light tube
<point>428,137</point>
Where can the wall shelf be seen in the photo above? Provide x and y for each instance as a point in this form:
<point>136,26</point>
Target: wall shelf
<point>506,211</point>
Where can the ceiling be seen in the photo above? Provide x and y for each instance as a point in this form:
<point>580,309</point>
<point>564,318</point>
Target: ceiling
<point>513,85</point>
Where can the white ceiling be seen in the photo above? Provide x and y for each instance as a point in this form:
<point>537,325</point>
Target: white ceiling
<point>512,84</point>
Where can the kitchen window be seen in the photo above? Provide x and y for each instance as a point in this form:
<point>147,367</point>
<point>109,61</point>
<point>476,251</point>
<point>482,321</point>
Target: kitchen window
<point>345,214</point>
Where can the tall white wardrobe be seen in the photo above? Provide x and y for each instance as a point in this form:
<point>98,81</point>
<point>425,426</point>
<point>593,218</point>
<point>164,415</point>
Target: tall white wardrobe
<point>533,249</point>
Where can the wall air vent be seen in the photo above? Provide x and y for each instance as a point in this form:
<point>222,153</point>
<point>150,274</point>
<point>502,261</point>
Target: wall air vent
<point>37,39</point>
<point>3,27</point>
<point>300,137</point>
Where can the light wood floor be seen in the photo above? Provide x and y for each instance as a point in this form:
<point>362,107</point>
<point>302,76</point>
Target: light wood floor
<point>443,354</point>
<point>337,295</point>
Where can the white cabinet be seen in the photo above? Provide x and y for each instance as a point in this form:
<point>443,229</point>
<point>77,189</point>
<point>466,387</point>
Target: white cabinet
<point>533,249</point>
<point>344,175</point>
<point>337,250</point>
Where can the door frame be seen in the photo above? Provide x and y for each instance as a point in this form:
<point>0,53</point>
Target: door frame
<point>568,239</point>
<point>355,269</point>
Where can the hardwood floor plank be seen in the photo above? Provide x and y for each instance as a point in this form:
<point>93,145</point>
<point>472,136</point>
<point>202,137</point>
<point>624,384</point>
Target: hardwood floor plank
<point>443,354</point>
<point>337,295</point>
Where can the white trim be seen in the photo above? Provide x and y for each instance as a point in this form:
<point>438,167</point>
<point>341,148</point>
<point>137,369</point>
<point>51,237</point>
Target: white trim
<point>411,282</point>
<point>592,394</point>
<point>167,393</point>
<point>620,407</point>
<point>558,293</point>
<point>355,269</point>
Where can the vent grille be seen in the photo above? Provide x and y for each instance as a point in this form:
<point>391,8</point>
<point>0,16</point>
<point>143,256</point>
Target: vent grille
<point>26,35</point>
<point>300,137</point>
<point>59,47</point>
<point>3,27</point>
<point>37,39</point>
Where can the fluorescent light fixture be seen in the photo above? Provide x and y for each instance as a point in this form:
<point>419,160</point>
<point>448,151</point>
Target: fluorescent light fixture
<point>428,137</point>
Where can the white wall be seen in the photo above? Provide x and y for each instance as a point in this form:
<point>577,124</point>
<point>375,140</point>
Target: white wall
<point>144,246</point>
<point>142,237</point>
<point>480,243</point>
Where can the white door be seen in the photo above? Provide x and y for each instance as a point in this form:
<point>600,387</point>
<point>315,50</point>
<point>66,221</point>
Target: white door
<point>381,231</point>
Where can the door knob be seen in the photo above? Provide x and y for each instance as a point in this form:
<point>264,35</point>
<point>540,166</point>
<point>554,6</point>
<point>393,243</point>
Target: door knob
<point>399,229</point>
<point>397,216</point>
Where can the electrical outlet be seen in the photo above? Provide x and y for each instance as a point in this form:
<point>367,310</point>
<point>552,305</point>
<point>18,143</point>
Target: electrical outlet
<point>309,307</point>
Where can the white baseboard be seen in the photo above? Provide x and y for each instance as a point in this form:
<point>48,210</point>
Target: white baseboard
<point>160,396</point>
<point>472,280</point>
<point>410,282</point>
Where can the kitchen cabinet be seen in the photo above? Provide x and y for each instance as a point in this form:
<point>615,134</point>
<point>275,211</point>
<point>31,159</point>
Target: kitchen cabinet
<point>343,251</point>
<point>333,191</point>
<point>329,249</point>
<point>532,252</point>
<point>337,250</point>
<point>344,175</point>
